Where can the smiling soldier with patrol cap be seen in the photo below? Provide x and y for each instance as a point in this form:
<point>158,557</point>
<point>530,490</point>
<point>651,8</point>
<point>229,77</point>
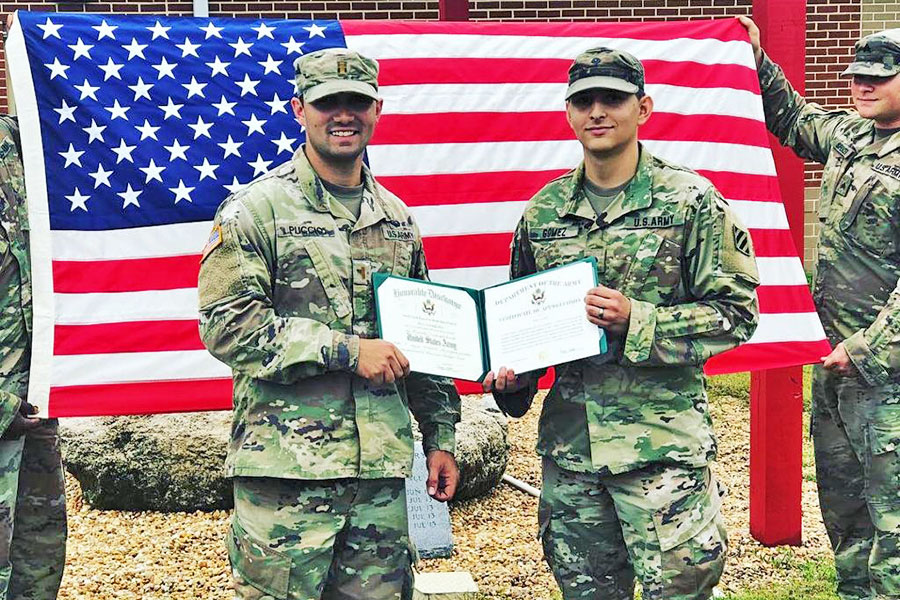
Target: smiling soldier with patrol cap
<point>856,392</point>
<point>322,438</point>
<point>626,437</point>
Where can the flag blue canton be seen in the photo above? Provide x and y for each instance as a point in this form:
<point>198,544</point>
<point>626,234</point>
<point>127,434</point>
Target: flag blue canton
<point>152,121</point>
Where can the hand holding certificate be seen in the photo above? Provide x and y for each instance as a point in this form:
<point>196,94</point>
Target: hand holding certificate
<point>526,324</point>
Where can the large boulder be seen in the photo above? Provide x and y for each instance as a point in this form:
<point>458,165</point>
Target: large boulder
<point>175,462</point>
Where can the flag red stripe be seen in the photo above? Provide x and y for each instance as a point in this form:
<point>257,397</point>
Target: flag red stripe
<point>133,336</point>
<point>127,275</point>
<point>784,299</point>
<point>758,357</point>
<point>726,30</point>
<point>458,251</point>
<point>141,398</point>
<point>418,71</point>
<point>773,242</point>
<point>511,186</point>
<point>443,128</point>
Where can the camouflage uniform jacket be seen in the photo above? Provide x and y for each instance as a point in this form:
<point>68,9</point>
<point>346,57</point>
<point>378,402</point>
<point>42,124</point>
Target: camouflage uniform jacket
<point>15,276</point>
<point>858,268</point>
<point>285,295</point>
<point>672,245</point>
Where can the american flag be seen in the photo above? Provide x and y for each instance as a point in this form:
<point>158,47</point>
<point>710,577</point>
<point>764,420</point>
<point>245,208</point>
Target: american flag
<point>137,127</point>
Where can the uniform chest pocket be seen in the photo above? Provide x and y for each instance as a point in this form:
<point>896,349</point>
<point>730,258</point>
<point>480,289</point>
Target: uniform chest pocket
<point>870,219</point>
<point>402,261</point>
<point>307,282</point>
<point>655,270</point>
<point>556,246</point>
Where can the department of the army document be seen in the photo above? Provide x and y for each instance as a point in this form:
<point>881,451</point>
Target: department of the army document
<point>526,324</point>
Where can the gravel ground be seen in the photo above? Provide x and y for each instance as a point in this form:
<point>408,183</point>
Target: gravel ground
<point>181,556</point>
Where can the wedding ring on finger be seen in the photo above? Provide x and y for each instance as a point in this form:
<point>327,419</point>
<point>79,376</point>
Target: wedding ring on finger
<point>600,314</point>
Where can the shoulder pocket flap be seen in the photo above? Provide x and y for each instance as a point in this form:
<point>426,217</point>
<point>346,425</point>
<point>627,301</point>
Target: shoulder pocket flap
<point>263,568</point>
<point>686,517</point>
<point>334,289</point>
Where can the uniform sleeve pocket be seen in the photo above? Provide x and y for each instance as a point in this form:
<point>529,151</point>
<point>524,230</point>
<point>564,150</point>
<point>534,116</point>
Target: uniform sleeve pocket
<point>683,519</point>
<point>262,567</point>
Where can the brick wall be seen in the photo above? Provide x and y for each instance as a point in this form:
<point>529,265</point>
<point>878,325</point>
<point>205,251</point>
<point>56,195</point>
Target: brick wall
<point>832,28</point>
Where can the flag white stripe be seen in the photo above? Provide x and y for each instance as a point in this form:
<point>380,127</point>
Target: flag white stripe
<point>788,327</point>
<point>782,270</point>
<point>186,238</point>
<point>492,157</point>
<point>437,45</point>
<point>128,367</point>
<point>438,98</point>
<point>119,307</point>
<point>180,239</point>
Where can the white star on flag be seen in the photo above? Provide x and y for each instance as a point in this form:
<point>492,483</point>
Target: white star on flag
<point>259,165</point>
<point>111,69</point>
<point>315,30</point>
<point>101,176</point>
<point>171,109</point>
<point>87,90</point>
<point>135,49</point>
<point>231,147</point>
<point>130,197</point>
<point>188,48</point>
<point>206,170</point>
<point>66,112</point>
<point>50,28</point>
<point>81,49</point>
<point>141,89</point>
<point>152,171</point>
<point>176,150</point>
<point>284,143</point>
<point>248,86</point>
<point>277,104</point>
<point>147,130</point>
<point>212,31</point>
<point>235,186</point>
<point>78,200</point>
<point>194,88</point>
<point>254,124</point>
<point>224,106</point>
<point>123,152</point>
<point>241,47</point>
<point>270,64</point>
<point>57,69</point>
<point>293,47</point>
<point>104,30</point>
<point>263,31</point>
<point>165,68</point>
<point>159,31</point>
<point>218,67</point>
<point>182,192</point>
<point>72,156</point>
<point>117,110</point>
<point>94,131</point>
<point>201,128</point>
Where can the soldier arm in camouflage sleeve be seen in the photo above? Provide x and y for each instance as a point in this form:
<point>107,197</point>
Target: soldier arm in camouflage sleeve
<point>238,322</point>
<point>720,276</point>
<point>804,126</point>
<point>433,401</point>
<point>875,350</point>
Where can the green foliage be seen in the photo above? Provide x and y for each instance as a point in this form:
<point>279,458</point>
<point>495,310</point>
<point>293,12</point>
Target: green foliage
<point>810,580</point>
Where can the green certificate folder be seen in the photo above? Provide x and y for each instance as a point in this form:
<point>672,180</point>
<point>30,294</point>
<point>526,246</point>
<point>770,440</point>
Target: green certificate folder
<point>526,324</point>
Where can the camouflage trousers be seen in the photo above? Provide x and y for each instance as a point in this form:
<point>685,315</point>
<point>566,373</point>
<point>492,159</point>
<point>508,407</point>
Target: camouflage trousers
<point>662,523</point>
<point>856,434</point>
<point>32,515</point>
<point>338,539</point>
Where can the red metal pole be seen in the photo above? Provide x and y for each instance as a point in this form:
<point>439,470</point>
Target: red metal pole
<point>776,396</point>
<point>453,10</point>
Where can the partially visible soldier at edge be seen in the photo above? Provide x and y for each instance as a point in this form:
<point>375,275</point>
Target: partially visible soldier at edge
<point>856,394</point>
<point>32,486</point>
<point>626,437</point>
<point>321,440</point>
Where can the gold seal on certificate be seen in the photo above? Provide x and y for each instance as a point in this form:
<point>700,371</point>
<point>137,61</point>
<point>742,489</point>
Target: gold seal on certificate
<point>525,324</point>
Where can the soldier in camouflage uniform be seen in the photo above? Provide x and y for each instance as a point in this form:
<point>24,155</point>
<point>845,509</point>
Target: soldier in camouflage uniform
<point>856,392</point>
<point>322,440</point>
<point>32,488</point>
<point>626,437</point>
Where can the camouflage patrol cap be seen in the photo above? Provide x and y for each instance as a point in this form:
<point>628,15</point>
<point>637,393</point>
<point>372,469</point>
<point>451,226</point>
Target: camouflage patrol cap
<point>334,70</point>
<point>877,55</point>
<point>605,68</point>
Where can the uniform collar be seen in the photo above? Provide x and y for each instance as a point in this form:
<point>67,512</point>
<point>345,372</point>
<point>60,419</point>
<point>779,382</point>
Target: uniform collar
<point>636,196</point>
<point>373,209</point>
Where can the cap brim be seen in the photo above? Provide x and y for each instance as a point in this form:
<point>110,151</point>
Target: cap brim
<point>872,69</point>
<point>601,82</point>
<point>338,86</point>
